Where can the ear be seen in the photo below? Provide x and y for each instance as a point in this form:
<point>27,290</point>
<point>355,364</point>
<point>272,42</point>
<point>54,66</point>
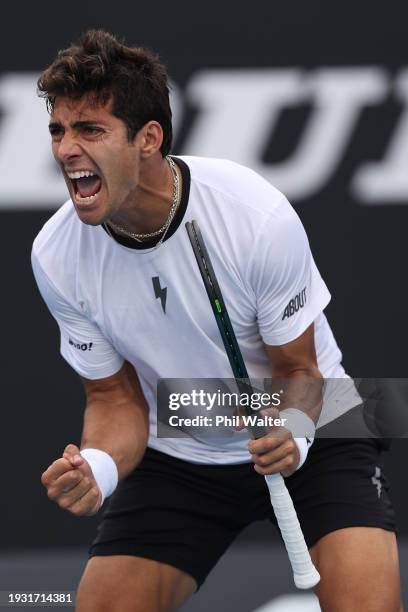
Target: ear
<point>150,139</point>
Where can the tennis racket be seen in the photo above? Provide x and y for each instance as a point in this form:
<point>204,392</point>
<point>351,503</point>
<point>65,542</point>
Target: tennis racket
<point>305,574</point>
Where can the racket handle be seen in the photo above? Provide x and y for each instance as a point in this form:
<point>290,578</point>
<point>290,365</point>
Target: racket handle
<point>305,574</point>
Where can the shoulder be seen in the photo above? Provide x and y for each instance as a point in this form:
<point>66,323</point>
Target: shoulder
<point>55,248</point>
<point>56,227</point>
<point>235,183</point>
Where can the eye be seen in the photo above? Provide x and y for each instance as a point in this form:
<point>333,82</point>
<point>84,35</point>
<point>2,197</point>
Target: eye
<point>56,132</point>
<point>92,130</point>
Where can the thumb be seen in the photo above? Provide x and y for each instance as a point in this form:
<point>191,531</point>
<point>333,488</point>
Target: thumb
<point>71,453</point>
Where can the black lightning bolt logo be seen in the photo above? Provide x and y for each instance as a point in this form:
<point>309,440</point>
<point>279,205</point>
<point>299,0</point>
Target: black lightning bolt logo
<point>159,292</point>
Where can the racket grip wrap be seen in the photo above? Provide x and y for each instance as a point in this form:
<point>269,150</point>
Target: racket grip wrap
<point>305,574</point>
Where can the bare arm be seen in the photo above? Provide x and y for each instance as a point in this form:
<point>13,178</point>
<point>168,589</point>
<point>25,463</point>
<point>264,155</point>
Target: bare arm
<point>115,421</point>
<point>293,367</point>
<point>116,418</point>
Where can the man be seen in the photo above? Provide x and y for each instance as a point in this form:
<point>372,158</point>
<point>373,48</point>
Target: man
<point>117,272</point>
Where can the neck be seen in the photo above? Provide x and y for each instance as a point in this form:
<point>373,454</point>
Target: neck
<point>150,205</point>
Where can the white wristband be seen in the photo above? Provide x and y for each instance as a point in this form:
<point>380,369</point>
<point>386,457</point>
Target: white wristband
<point>103,468</point>
<point>300,425</point>
<point>303,445</point>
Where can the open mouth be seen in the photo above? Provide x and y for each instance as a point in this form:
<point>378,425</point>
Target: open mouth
<point>86,184</point>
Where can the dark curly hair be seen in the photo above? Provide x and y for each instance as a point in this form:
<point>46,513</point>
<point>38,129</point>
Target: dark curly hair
<point>103,69</point>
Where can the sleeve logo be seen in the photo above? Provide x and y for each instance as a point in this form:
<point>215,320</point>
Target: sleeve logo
<point>295,304</point>
<point>85,346</point>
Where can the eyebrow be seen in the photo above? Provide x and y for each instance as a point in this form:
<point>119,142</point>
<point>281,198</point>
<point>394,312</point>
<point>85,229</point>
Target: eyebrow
<point>76,126</point>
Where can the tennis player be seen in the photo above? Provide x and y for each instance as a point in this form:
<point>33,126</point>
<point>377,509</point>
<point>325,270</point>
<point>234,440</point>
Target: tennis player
<point>116,269</point>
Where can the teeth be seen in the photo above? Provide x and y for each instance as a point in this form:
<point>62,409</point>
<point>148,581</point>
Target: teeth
<point>80,174</point>
<point>82,200</point>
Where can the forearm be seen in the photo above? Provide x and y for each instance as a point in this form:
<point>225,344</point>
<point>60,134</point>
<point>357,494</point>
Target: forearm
<point>300,392</point>
<point>295,371</point>
<point>120,430</point>
<point>302,389</point>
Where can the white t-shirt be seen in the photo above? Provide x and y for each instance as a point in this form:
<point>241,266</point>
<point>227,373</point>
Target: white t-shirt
<point>103,296</point>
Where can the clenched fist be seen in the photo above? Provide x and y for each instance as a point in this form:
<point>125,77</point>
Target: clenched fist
<point>276,451</point>
<point>70,483</point>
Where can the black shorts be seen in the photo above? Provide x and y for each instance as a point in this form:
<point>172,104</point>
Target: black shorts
<point>186,515</point>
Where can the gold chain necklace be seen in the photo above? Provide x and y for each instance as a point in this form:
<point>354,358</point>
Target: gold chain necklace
<point>164,228</point>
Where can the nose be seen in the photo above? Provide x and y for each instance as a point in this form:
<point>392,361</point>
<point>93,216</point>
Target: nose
<point>67,149</point>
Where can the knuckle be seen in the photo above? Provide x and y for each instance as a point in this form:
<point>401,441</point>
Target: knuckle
<point>75,476</point>
<point>95,491</point>
<point>63,503</point>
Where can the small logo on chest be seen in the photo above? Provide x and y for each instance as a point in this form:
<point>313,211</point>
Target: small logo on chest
<point>160,292</point>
